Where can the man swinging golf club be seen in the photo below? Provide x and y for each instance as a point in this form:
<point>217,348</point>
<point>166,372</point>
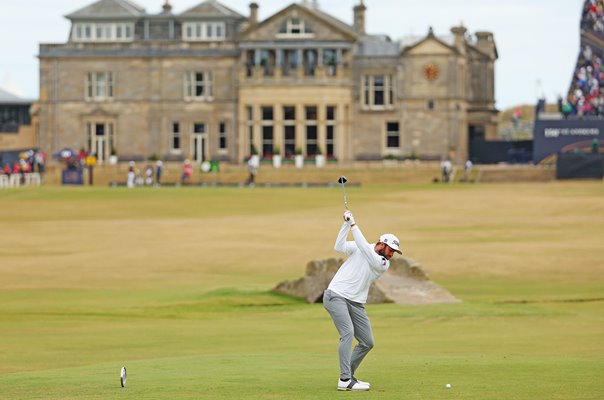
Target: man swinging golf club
<point>346,296</point>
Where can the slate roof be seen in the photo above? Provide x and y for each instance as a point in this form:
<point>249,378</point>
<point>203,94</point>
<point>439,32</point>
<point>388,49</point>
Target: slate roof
<point>381,45</point>
<point>211,9</point>
<point>109,9</point>
<point>377,45</point>
<point>330,18</point>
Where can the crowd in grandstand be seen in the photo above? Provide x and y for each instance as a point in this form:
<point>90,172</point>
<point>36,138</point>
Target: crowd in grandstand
<point>593,16</point>
<point>586,93</point>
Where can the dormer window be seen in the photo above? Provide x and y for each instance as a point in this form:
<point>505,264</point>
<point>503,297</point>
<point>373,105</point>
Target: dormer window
<point>203,31</point>
<point>295,27</point>
<point>103,32</point>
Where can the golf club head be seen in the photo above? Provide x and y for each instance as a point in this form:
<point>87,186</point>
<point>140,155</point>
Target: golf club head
<point>342,180</point>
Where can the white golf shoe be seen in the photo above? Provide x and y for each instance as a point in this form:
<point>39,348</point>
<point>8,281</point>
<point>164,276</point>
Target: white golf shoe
<point>362,382</point>
<point>352,385</point>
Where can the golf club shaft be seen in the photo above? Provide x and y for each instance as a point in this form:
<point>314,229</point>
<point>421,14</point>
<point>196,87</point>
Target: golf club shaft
<point>345,201</point>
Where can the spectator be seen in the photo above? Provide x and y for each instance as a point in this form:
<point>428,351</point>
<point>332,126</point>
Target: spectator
<point>131,175</point>
<point>159,168</point>
<point>82,157</point>
<point>40,161</point>
<point>138,180</point>
<point>187,170</point>
<point>467,169</point>
<point>516,117</point>
<point>566,109</point>
<point>252,166</point>
<point>25,167</point>
<point>149,175</point>
<point>6,170</point>
<point>446,168</point>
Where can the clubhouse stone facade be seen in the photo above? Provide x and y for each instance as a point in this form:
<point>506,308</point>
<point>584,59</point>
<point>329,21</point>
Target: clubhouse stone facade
<point>212,84</point>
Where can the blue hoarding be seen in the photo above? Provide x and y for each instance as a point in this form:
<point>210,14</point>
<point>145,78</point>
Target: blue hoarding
<point>72,176</point>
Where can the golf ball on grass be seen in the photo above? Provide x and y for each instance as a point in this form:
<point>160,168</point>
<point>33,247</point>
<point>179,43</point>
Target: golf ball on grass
<point>448,386</point>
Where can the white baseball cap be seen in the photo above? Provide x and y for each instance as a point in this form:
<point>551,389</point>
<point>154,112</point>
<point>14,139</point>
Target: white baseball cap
<point>391,241</point>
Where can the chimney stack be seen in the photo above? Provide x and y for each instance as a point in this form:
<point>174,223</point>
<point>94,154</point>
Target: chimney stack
<point>486,44</point>
<point>460,38</point>
<point>253,14</point>
<point>167,7</point>
<point>359,18</point>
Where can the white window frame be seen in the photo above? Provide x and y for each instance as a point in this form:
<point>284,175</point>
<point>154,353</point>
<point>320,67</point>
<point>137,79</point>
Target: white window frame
<point>289,123</point>
<point>368,86</point>
<point>222,134</point>
<point>308,123</point>
<point>390,133</point>
<point>197,31</point>
<point>267,123</point>
<point>290,26</point>
<point>249,110</point>
<point>176,134</point>
<point>108,32</point>
<point>99,86</point>
<point>331,123</point>
<point>191,83</point>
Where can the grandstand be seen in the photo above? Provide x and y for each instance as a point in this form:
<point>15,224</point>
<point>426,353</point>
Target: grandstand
<point>571,137</point>
<point>586,92</point>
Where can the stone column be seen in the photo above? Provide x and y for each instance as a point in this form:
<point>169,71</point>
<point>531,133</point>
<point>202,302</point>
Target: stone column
<point>278,63</point>
<point>300,67</point>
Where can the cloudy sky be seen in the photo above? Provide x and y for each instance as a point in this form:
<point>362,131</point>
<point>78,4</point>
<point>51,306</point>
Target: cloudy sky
<point>537,40</point>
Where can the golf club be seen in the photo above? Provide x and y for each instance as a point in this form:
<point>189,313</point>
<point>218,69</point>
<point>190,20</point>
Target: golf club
<point>342,180</point>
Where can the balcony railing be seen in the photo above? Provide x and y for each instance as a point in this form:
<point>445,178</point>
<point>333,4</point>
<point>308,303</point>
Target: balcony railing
<point>326,72</point>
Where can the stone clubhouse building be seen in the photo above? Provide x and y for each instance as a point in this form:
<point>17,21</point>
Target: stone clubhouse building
<point>212,84</point>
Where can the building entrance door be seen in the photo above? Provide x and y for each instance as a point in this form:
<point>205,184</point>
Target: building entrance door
<point>199,147</point>
<point>100,140</point>
<point>100,149</point>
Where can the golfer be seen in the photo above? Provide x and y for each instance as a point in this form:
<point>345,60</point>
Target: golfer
<point>346,296</point>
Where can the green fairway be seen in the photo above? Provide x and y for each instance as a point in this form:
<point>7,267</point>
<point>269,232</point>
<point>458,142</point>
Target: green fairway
<point>174,284</point>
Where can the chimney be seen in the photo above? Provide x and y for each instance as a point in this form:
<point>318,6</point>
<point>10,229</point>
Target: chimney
<point>460,38</point>
<point>486,44</point>
<point>359,18</point>
<point>253,14</point>
<point>167,7</point>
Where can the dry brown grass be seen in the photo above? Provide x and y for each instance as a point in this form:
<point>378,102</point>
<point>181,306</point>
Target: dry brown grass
<point>212,237</point>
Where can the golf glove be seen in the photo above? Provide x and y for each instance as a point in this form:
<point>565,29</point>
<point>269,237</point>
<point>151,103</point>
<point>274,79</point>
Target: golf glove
<point>349,218</point>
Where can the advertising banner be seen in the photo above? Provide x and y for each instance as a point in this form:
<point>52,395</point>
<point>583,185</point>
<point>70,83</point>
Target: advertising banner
<point>553,136</point>
<point>72,176</point>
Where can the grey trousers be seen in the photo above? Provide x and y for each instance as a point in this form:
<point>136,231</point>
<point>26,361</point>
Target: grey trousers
<point>350,319</point>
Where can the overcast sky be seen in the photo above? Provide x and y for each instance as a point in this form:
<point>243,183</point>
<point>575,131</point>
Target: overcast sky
<point>537,40</point>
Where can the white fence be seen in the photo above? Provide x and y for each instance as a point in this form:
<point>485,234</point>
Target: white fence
<point>17,180</point>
